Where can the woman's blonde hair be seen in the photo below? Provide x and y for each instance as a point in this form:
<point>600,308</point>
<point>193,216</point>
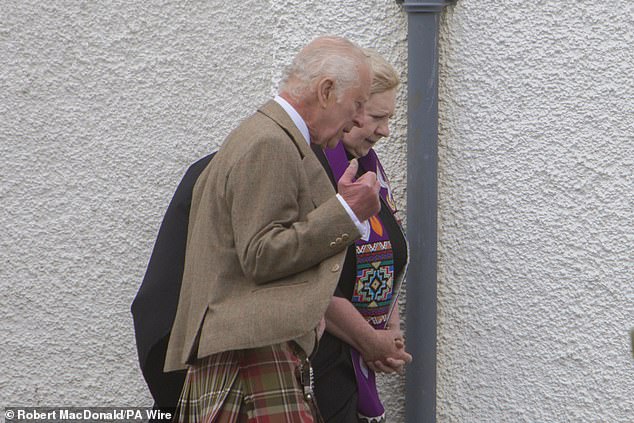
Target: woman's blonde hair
<point>384,76</point>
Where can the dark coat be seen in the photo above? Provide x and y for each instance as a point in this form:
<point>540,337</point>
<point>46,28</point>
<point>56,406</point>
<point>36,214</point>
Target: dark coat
<point>154,307</point>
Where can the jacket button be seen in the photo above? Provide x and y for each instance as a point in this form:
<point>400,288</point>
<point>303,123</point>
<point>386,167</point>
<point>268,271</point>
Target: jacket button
<point>335,268</point>
<point>333,244</point>
<point>338,240</point>
<point>345,237</point>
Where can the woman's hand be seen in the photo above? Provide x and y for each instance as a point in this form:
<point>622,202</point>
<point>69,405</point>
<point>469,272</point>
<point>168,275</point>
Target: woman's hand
<point>389,355</point>
<point>382,350</point>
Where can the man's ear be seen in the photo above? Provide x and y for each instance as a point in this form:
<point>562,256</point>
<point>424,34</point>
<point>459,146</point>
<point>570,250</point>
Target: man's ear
<point>325,91</point>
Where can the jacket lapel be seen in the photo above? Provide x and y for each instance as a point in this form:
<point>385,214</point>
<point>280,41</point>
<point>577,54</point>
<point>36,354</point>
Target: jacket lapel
<point>321,187</point>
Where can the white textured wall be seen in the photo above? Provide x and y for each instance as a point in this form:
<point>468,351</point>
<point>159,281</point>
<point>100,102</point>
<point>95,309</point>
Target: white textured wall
<point>536,289</point>
<point>103,106</point>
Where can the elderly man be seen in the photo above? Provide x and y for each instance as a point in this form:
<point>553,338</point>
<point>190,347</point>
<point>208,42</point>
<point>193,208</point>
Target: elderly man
<point>266,242</point>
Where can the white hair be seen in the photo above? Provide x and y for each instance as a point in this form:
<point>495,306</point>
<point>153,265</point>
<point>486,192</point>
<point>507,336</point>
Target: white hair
<point>330,56</point>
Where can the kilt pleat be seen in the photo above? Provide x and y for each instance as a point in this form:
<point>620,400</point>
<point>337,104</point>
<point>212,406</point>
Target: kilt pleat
<point>259,385</point>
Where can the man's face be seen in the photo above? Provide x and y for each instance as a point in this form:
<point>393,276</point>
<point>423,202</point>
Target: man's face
<point>339,116</point>
<point>378,111</point>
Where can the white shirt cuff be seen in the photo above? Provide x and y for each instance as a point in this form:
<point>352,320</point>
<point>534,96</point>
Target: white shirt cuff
<point>363,227</point>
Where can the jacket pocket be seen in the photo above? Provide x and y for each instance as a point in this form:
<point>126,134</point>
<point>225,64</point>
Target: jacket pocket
<point>277,285</point>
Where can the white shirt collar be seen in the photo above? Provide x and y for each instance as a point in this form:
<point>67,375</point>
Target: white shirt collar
<point>297,119</point>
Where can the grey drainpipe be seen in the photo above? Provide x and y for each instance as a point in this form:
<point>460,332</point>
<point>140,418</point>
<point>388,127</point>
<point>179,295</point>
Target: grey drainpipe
<point>422,191</point>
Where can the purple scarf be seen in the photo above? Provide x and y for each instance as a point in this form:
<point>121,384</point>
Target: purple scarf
<point>374,285</point>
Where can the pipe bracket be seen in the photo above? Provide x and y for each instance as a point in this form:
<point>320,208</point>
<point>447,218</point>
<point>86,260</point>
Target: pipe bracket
<point>425,6</point>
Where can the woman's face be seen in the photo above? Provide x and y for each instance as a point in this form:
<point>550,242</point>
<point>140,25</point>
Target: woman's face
<point>378,111</point>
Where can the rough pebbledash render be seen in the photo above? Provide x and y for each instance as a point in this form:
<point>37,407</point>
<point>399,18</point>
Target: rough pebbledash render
<point>105,104</point>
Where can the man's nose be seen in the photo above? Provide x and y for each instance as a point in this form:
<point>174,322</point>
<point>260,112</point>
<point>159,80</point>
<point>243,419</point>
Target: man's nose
<point>359,117</point>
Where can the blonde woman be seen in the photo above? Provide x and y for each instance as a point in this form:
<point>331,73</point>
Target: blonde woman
<point>362,322</point>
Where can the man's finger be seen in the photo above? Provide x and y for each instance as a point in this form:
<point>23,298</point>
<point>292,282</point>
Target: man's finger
<point>370,177</point>
<point>377,185</point>
<point>351,171</point>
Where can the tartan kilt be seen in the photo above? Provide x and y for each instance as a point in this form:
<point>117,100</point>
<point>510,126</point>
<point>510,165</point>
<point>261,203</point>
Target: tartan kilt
<point>259,385</point>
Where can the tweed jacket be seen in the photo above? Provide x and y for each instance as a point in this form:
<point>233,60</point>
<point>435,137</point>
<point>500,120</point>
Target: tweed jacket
<point>265,247</point>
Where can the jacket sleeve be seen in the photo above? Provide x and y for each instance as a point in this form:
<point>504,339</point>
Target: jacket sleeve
<point>267,194</point>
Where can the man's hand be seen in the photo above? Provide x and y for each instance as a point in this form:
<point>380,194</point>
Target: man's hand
<point>361,195</point>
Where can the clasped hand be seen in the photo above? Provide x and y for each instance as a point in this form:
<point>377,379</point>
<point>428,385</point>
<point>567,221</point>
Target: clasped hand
<point>387,354</point>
